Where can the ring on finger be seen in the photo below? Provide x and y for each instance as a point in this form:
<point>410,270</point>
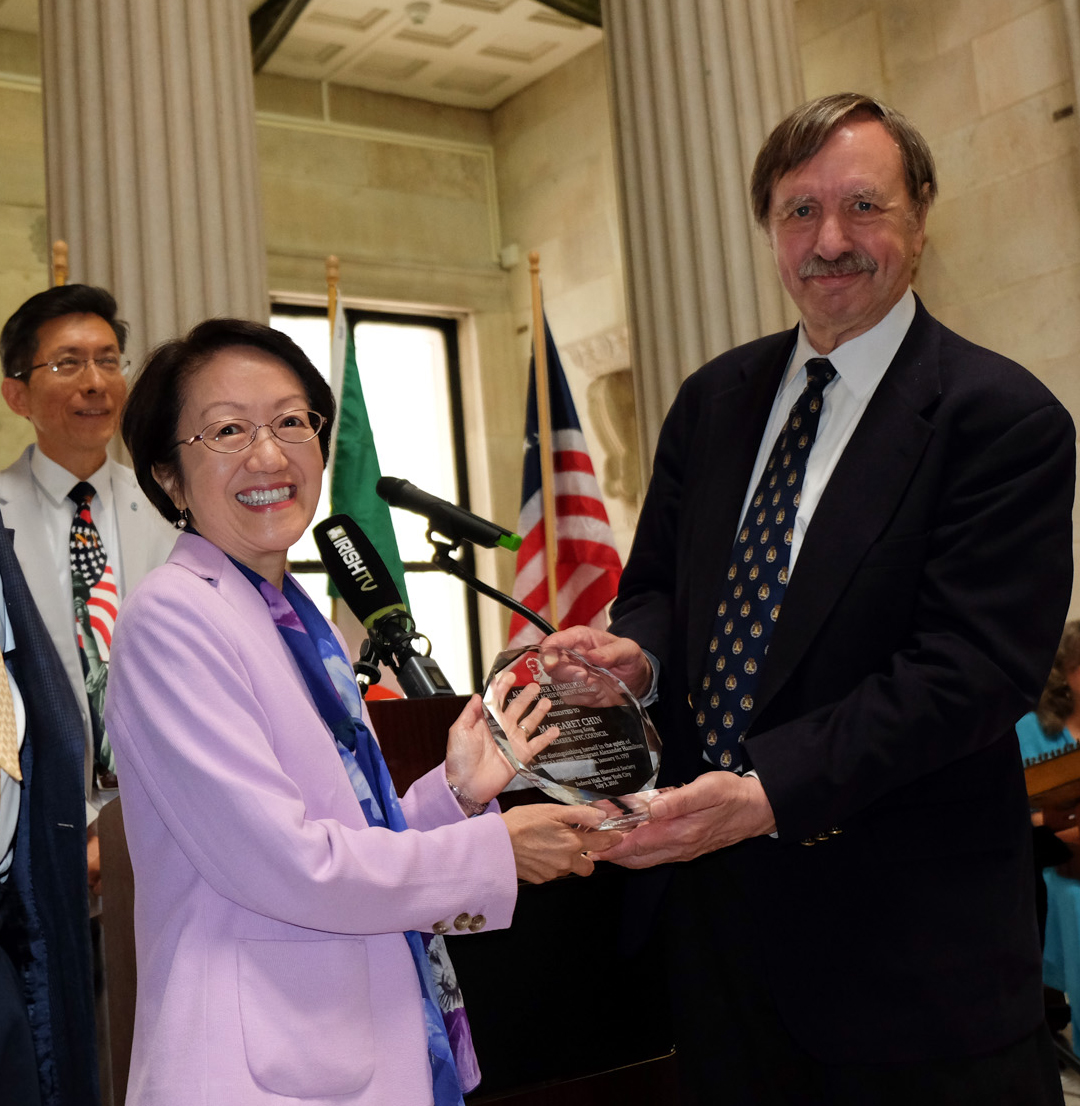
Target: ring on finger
<point>523,729</point>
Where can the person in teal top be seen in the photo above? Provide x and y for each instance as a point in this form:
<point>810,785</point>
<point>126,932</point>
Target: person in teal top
<point>1051,726</point>
<point>1034,740</point>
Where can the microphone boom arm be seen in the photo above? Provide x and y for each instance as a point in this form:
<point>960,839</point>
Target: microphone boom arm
<point>442,560</point>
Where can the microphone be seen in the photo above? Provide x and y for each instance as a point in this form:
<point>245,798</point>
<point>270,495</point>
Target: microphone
<point>448,519</point>
<point>370,593</point>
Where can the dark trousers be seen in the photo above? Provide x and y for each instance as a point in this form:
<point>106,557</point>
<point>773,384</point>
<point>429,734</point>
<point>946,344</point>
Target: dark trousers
<point>734,1049</point>
<point>18,1065</point>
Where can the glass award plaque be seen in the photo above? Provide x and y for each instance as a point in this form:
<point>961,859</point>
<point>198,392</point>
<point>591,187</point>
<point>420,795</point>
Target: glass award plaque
<point>607,752</point>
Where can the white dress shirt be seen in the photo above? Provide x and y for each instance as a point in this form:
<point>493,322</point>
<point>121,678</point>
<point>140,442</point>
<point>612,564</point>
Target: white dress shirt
<point>860,364</point>
<point>53,482</point>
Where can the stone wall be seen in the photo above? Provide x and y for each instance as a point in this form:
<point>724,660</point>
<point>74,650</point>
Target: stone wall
<point>554,163</point>
<point>24,253</point>
<point>438,207</point>
<point>425,205</point>
<point>990,85</point>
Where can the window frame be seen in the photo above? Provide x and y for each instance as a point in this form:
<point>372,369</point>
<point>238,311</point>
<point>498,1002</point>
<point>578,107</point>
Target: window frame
<point>448,325</point>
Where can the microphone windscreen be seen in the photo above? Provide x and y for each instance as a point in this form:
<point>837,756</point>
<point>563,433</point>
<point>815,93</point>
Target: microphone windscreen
<point>448,519</point>
<point>393,489</point>
<point>357,570</point>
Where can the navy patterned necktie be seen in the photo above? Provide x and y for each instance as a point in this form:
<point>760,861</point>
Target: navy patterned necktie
<point>756,580</point>
<point>96,599</point>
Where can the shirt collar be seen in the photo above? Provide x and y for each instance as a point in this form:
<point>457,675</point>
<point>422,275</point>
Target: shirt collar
<point>55,480</point>
<point>862,361</point>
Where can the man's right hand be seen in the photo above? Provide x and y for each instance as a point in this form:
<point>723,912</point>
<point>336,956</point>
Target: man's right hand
<point>619,655</point>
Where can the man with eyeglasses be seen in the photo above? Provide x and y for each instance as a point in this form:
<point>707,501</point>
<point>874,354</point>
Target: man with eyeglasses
<point>84,532</point>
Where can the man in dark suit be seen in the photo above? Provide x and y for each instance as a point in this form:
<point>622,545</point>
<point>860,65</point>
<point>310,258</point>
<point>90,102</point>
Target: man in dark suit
<point>848,580</point>
<point>47,1037</point>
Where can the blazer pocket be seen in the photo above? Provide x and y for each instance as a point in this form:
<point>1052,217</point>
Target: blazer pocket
<point>305,1014</point>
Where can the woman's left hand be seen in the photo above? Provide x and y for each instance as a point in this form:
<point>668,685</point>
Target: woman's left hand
<point>474,763</point>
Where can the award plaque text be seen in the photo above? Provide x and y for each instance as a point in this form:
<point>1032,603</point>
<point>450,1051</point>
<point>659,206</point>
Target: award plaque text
<point>607,751</point>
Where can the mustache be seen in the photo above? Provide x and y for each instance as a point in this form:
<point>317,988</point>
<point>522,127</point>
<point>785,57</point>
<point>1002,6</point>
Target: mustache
<point>854,261</point>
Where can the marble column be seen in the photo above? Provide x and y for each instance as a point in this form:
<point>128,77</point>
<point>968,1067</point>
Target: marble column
<point>151,167</point>
<point>695,85</point>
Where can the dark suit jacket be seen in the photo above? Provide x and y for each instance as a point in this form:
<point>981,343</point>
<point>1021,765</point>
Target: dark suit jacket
<point>49,866</point>
<point>920,622</point>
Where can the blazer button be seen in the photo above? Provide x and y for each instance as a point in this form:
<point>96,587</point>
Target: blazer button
<point>461,922</point>
<point>477,923</point>
<point>823,837</point>
<point>809,841</point>
<point>440,928</point>
<point>835,831</point>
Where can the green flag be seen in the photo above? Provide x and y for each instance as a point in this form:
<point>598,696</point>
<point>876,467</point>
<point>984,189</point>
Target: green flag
<point>354,464</point>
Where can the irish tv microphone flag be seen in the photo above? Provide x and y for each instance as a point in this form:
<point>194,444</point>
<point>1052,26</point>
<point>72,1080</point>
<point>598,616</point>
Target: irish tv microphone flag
<point>587,566</point>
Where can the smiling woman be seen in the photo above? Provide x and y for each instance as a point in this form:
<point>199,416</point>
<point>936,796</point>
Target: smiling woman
<point>223,374</point>
<point>256,500</point>
<point>287,901</point>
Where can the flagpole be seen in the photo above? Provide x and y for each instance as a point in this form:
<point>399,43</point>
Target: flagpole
<point>59,262</point>
<point>333,279</point>
<point>543,419</point>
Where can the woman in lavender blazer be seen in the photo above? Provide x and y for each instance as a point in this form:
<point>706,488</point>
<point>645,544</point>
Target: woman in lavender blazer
<point>281,887</point>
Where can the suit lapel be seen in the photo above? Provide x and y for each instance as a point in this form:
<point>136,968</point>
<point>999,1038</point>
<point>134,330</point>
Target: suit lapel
<point>131,528</point>
<point>202,558</point>
<point>862,495</point>
<point>43,571</point>
<point>37,664</point>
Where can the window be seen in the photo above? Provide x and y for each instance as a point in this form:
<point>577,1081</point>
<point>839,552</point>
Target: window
<point>409,371</point>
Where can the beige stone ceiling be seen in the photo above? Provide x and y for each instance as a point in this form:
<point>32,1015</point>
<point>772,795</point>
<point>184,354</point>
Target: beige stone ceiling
<point>469,53</point>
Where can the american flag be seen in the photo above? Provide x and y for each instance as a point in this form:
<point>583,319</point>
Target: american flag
<point>587,564</point>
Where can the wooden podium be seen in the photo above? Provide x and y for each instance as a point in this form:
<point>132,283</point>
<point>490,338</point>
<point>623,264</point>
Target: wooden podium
<point>535,1045</point>
<point>563,945</point>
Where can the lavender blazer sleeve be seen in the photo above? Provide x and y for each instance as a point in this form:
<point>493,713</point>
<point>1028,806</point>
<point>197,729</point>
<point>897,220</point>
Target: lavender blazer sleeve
<point>269,915</point>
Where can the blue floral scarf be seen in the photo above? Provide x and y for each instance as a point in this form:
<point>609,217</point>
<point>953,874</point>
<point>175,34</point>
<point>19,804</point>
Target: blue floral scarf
<point>330,679</point>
